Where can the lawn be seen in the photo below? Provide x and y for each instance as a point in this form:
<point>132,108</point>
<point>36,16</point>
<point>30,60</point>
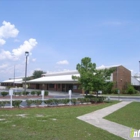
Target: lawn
<point>128,115</point>
<point>51,123</point>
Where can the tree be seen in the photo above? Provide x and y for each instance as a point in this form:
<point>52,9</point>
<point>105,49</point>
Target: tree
<point>90,78</point>
<point>37,74</point>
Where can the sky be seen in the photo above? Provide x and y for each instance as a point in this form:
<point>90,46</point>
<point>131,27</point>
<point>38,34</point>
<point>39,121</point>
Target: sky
<point>59,33</point>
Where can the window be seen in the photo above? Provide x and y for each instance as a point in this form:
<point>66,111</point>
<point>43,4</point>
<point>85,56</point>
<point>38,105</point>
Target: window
<point>51,85</point>
<point>58,86</point>
<point>74,86</point>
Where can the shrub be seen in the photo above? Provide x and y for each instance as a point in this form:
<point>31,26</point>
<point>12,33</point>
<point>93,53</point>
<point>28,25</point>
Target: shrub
<point>38,93</point>
<point>65,101</point>
<point>32,92</point>
<point>16,103</point>
<point>115,91</point>
<point>46,93</point>
<point>4,93</point>
<point>82,100</point>
<point>108,87</point>
<point>29,102</point>
<point>73,101</point>
<point>49,102</point>
<point>37,102</point>
<point>2,103</point>
<point>130,90</point>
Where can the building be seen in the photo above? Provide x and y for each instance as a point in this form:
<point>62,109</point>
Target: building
<point>62,81</point>
<point>135,81</point>
<point>13,82</point>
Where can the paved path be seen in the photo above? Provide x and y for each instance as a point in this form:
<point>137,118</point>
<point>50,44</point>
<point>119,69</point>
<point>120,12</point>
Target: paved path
<point>96,118</point>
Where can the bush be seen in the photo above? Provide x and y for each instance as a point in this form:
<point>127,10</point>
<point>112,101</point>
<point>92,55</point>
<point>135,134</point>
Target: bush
<point>82,100</point>
<point>3,103</point>
<point>38,93</point>
<point>115,91</point>
<point>29,102</point>
<point>49,102</point>
<point>108,87</point>
<point>65,101</point>
<point>37,102</point>
<point>46,93</point>
<point>32,92</point>
<point>4,93</point>
<point>16,103</point>
<point>130,90</point>
<point>74,101</point>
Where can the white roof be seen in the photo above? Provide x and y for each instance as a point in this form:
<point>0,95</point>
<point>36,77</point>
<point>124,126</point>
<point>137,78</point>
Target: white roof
<point>55,79</point>
<point>135,81</point>
<point>13,81</point>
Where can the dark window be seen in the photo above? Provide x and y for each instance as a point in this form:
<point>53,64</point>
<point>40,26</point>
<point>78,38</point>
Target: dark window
<point>51,85</point>
<point>58,85</point>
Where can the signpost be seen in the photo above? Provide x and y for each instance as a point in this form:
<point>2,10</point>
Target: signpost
<point>11,94</point>
<point>42,93</point>
<point>70,96</point>
<point>118,94</point>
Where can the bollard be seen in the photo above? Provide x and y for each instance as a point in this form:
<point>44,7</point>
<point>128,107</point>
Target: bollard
<point>11,94</point>
<point>70,97</point>
<point>42,93</point>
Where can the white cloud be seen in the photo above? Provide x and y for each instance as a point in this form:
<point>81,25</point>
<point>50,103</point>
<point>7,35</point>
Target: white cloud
<point>3,66</point>
<point>8,30</point>
<point>63,62</point>
<point>5,55</point>
<point>27,46</point>
<point>16,53</point>
<point>2,42</point>
<point>33,59</point>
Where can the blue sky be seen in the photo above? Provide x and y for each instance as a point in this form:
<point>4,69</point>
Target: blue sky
<point>59,33</point>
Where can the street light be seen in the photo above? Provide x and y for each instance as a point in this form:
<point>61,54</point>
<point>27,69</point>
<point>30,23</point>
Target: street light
<point>26,54</point>
<point>139,75</point>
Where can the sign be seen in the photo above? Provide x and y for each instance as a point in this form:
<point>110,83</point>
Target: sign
<point>10,92</point>
<point>42,92</point>
<point>118,91</point>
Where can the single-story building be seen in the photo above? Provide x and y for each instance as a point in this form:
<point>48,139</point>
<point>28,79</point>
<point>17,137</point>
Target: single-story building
<point>62,81</point>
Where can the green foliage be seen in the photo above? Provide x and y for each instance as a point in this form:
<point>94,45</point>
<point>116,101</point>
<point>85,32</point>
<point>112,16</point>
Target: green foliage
<point>108,87</point>
<point>37,102</point>
<point>46,93</point>
<point>38,93</point>
<point>95,99</point>
<point>37,74</point>
<point>33,92</point>
<point>74,101</point>
<point>65,101</point>
<point>16,103</point>
<point>90,78</point>
<point>115,91</point>
<point>49,102</point>
<point>82,100</point>
<point>130,89</point>
<point>4,93</point>
<point>25,93</point>
<point>3,103</point>
<point>29,102</point>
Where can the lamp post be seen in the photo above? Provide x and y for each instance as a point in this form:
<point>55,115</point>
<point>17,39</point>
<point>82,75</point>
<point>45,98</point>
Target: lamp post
<point>26,54</point>
<point>139,75</point>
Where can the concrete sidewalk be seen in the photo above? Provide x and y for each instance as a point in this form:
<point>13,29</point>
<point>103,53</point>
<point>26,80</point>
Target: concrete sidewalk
<point>96,118</point>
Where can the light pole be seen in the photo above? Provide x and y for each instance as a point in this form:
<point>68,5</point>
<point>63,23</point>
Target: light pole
<point>139,75</point>
<point>26,54</point>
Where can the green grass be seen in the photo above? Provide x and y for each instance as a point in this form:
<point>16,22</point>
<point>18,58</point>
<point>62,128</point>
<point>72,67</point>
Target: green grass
<point>128,115</point>
<point>51,124</point>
